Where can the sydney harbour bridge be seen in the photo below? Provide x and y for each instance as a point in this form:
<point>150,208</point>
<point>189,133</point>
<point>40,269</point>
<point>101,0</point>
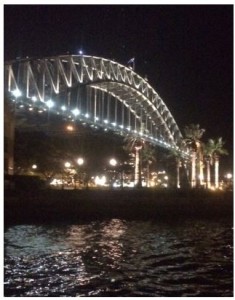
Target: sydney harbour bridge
<point>95,91</point>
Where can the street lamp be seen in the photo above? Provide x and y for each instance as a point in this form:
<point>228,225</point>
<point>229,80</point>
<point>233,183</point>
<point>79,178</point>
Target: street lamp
<point>34,167</point>
<point>113,162</point>
<point>229,176</point>
<point>80,161</point>
<point>70,128</point>
<point>67,164</point>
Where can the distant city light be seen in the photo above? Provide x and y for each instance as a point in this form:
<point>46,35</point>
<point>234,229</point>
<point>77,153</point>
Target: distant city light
<point>34,98</point>
<point>70,128</point>
<point>80,52</point>
<point>87,115</point>
<point>100,180</point>
<point>34,167</point>
<point>63,107</point>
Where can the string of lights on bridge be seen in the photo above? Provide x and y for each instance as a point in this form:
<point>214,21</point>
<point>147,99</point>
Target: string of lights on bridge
<point>76,114</point>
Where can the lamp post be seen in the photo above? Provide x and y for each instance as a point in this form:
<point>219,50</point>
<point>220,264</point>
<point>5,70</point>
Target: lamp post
<point>80,162</point>
<point>113,163</point>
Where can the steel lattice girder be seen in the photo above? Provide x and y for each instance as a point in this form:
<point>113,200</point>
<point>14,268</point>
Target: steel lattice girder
<point>54,74</point>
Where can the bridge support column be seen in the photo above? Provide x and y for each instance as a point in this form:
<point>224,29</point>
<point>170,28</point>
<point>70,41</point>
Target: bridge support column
<point>9,136</point>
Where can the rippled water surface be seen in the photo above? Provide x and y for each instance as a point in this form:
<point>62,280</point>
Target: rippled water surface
<point>120,258</point>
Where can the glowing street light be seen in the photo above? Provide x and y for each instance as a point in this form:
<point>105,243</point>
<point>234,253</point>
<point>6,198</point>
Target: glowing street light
<point>70,128</point>
<point>229,176</point>
<point>67,164</point>
<point>113,162</point>
<point>80,161</point>
<point>34,167</point>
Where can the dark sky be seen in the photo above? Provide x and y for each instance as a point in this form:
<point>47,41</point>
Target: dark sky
<point>186,51</point>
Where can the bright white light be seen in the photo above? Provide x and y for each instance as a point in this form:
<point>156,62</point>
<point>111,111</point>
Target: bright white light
<point>96,118</point>
<point>34,167</point>
<point>16,93</point>
<point>50,103</point>
<point>113,162</point>
<point>80,52</point>
<point>114,124</point>
<point>70,128</point>
<point>67,164</point>
<point>100,180</point>
<point>56,181</point>
<point>34,98</point>
<point>229,176</point>
<point>63,107</point>
<point>87,115</point>
<point>128,128</point>
<point>80,161</point>
<point>76,112</point>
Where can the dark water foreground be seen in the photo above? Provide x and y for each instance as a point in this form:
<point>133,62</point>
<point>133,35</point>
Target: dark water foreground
<point>118,243</point>
<point>73,205</point>
<point>118,257</point>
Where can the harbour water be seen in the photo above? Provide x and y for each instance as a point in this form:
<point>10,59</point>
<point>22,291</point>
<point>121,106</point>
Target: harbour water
<point>118,257</point>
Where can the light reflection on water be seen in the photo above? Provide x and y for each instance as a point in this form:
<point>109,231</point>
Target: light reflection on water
<point>119,258</point>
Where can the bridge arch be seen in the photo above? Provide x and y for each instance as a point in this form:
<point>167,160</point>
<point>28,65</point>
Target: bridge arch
<point>95,90</point>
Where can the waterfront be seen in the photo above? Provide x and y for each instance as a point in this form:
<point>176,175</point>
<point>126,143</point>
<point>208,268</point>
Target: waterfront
<point>118,257</point>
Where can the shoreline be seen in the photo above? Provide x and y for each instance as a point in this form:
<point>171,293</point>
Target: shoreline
<point>48,206</point>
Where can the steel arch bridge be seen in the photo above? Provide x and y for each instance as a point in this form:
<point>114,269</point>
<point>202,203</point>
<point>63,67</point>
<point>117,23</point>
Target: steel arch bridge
<point>93,90</point>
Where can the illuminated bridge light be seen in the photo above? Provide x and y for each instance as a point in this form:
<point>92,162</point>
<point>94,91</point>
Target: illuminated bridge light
<point>76,112</point>
<point>16,93</point>
<point>142,106</point>
<point>50,103</point>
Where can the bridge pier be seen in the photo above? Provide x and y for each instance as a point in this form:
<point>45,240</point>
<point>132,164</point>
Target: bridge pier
<point>9,136</point>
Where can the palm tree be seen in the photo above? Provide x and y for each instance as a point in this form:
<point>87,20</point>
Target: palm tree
<point>135,143</point>
<point>193,135</point>
<point>209,161</point>
<point>148,156</point>
<point>214,150</point>
<point>177,155</point>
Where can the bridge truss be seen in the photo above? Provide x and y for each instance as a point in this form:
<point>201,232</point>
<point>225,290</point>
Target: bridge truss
<point>94,90</point>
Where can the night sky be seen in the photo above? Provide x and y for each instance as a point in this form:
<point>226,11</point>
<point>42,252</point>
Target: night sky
<point>186,51</point>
